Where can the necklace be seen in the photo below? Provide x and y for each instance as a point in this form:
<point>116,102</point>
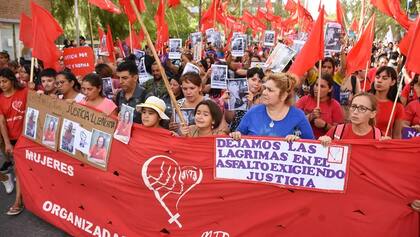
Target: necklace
<point>271,125</point>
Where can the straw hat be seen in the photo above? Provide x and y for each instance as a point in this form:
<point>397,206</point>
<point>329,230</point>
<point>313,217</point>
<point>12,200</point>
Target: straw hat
<point>156,104</point>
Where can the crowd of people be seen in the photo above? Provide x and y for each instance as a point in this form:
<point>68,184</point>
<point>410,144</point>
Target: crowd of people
<point>357,106</point>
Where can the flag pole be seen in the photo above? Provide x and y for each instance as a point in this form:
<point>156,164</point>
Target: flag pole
<point>366,72</point>
<point>393,108</point>
<point>131,37</point>
<point>76,15</point>
<point>318,96</point>
<point>157,59</point>
<point>90,26</point>
<point>31,76</point>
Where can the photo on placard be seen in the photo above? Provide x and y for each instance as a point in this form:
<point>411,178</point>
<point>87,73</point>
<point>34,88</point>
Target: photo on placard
<point>143,75</point>
<point>269,38</point>
<point>99,148</point>
<point>219,74</point>
<point>107,88</point>
<point>332,37</point>
<point>103,49</point>
<point>31,123</point>
<point>82,140</point>
<point>189,67</point>
<point>175,47</point>
<point>217,39</point>
<point>49,132</point>
<point>238,47</point>
<point>209,35</point>
<point>238,91</point>
<point>67,136</point>
<point>280,57</point>
<point>195,38</point>
<point>125,123</point>
<point>188,116</point>
<point>297,45</point>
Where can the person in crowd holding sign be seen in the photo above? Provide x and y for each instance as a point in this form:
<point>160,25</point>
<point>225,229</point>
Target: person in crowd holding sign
<point>152,112</point>
<point>329,112</point>
<point>207,117</point>
<point>363,109</point>
<point>68,87</point>
<point>131,92</point>
<point>411,91</point>
<point>48,81</point>
<point>386,90</point>
<point>12,113</point>
<point>276,116</point>
<point>92,87</point>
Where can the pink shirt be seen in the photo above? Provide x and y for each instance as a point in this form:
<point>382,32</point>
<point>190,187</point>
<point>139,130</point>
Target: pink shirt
<point>107,106</point>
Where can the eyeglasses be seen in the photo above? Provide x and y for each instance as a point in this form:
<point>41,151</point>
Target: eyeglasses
<point>360,108</point>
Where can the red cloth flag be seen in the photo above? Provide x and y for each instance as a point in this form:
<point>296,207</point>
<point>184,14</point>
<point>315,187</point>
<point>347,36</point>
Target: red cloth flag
<point>393,9</point>
<point>413,56</point>
<point>173,3</point>
<point>291,6</point>
<point>354,26</point>
<point>106,5</point>
<point>25,30</point>
<point>137,39</point>
<point>162,32</point>
<point>404,44</point>
<point>45,31</point>
<point>313,50</point>
<point>110,44</point>
<point>207,19</point>
<point>340,14</point>
<point>360,54</point>
<point>247,17</point>
<point>269,7</point>
<point>129,11</point>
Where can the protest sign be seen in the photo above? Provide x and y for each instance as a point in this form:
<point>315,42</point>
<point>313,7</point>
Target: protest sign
<point>175,46</point>
<point>238,47</point>
<point>408,133</point>
<point>160,183</point>
<point>269,38</point>
<point>107,88</point>
<point>197,51</point>
<point>219,74</point>
<point>332,37</point>
<point>279,58</point>
<point>125,123</point>
<point>80,60</point>
<point>195,38</point>
<point>299,165</point>
<point>238,91</point>
<point>189,67</point>
<point>298,45</point>
<point>41,109</point>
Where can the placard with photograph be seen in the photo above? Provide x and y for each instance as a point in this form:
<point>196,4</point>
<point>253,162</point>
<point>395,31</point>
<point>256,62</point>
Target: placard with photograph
<point>197,51</point>
<point>99,148</point>
<point>209,35</point>
<point>219,75</point>
<point>67,136</point>
<point>238,47</point>
<point>195,38</point>
<point>82,140</point>
<point>280,57</point>
<point>332,37</point>
<point>269,38</point>
<point>31,123</point>
<point>188,116</point>
<point>107,88</point>
<point>49,132</point>
<point>236,35</point>
<point>238,91</point>
<point>175,47</point>
<point>298,45</point>
<point>143,75</point>
<point>125,123</point>
<point>189,67</point>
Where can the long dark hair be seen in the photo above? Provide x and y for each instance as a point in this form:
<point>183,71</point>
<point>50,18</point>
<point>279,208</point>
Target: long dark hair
<point>70,77</point>
<point>393,90</point>
<point>10,75</point>
<point>326,77</point>
<point>95,80</point>
<point>216,113</point>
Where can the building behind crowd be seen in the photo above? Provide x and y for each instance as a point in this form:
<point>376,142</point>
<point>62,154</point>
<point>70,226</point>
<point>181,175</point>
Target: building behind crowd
<point>9,24</point>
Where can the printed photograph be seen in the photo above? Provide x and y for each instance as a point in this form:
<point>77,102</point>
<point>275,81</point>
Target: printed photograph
<point>31,123</point>
<point>238,47</point>
<point>125,123</point>
<point>49,131</point>
<point>195,38</point>
<point>219,74</point>
<point>238,91</point>
<point>332,37</point>
<point>175,47</point>
<point>99,148</point>
<point>189,67</point>
<point>269,38</point>
<point>188,116</point>
<point>68,132</point>
<point>107,88</point>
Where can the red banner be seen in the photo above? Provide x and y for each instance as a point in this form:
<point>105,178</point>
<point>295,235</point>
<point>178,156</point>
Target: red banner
<point>159,184</point>
<point>80,60</point>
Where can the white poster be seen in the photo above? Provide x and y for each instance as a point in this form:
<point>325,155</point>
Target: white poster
<point>332,37</point>
<point>82,140</point>
<point>189,67</point>
<point>125,123</point>
<point>238,47</point>
<point>219,74</point>
<point>279,58</point>
<point>175,47</point>
<point>195,38</point>
<point>269,38</point>
<point>238,91</point>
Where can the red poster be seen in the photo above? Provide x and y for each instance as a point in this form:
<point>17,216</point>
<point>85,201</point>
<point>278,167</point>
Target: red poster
<point>80,60</point>
<point>161,185</point>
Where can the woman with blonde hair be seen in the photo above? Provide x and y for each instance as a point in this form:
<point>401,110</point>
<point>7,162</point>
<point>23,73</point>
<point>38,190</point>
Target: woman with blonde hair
<point>276,116</point>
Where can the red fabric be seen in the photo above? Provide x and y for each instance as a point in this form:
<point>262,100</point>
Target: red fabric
<point>349,134</point>
<point>269,7</point>
<point>13,110</point>
<point>162,32</point>
<point>331,111</point>
<point>360,54</point>
<point>406,93</point>
<point>173,3</point>
<point>412,112</point>
<point>313,50</point>
<point>208,17</point>
<point>404,44</point>
<point>110,45</point>
<point>379,187</point>
<point>247,17</point>
<point>129,11</point>
<point>393,9</point>
<point>137,39</point>
<point>384,113</point>
<point>25,30</point>
<point>106,5</point>
<point>45,31</point>
<point>291,6</point>
<point>340,14</point>
<point>413,56</point>
<point>121,48</point>
<point>354,26</point>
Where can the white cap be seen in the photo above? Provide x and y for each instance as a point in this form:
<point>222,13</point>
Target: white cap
<point>156,104</point>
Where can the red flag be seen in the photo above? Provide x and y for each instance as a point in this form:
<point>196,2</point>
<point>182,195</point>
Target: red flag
<point>106,5</point>
<point>354,26</point>
<point>110,44</point>
<point>120,46</point>
<point>207,19</point>
<point>25,30</point>
<point>129,11</point>
<point>173,3</point>
<point>413,56</point>
<point>45,31</point>
<point>393,9</point>
<point>360,54</point>
<point>247,17</point>
<point>340,14</point>
<point>269,7</point>
<point>404,44</point>
<point>291,6</point>
<point>162,32</point>
<point>137,39</point>
<point>313,50</point>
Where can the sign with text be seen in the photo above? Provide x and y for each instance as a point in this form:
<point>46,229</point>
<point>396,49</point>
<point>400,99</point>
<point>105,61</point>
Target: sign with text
<point>408,133</point>
<point>300,165</point>
<point>80,60</point>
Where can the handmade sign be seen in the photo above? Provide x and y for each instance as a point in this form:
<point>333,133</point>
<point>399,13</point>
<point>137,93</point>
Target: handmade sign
<point>80,60</point>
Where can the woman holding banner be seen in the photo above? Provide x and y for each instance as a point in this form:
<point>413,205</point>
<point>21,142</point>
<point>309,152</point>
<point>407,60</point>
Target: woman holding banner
<point>68,87</point>
<point>276,116</point>
<point>385,89</point>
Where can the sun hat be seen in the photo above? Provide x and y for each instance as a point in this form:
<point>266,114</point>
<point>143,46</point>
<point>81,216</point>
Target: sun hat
<point>156,104</point>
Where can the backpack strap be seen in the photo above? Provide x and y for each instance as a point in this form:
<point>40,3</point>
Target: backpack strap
<point>377,134</point>
<point>338,131</point>
<point>353,84</point>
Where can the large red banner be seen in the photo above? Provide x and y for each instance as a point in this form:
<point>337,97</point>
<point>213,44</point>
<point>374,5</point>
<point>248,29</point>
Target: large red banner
<point>163,185</point>
<point>80,60</point>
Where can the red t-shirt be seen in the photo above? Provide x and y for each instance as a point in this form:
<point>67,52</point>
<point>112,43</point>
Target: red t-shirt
<point>349,134</point>
<point>384,112</point>
<point>13,110</point>
<point>412,112</point>
<point>331,111</point>
<point>406,93</point>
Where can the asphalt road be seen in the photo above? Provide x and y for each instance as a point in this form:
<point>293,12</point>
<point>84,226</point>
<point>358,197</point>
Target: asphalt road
<point>25,224</point>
